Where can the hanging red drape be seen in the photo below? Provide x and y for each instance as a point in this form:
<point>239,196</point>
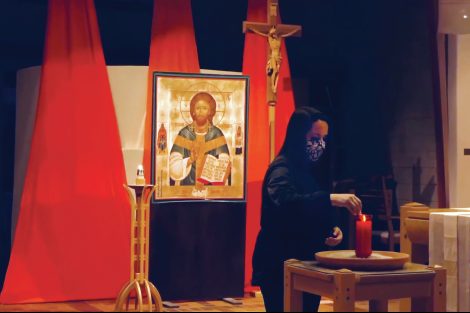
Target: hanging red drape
<point>72,238</point>
<point>254,65</point>
<point>172,49</point>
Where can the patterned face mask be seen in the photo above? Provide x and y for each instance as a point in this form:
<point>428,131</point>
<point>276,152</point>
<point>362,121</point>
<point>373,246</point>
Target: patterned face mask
<point>315,148</point>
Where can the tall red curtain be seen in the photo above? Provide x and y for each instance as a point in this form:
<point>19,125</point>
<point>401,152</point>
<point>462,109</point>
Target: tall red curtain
<point>254,65</point>
<point>172,49</point>
<point>72,239</point>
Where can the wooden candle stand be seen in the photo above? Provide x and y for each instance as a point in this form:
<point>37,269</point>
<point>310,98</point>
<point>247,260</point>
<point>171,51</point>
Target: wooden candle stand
<point>140,235</point>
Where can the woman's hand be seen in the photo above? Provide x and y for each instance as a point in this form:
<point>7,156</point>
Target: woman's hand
<point>348,201</point>
<point>336,239</point>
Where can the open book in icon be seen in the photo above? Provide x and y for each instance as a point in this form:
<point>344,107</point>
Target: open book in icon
<point>215,171</point>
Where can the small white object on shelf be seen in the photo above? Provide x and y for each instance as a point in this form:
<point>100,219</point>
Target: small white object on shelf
<point>140,180</point>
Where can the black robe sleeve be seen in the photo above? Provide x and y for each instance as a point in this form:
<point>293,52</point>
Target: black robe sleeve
<point>292,210</point>
<point>283,193</point>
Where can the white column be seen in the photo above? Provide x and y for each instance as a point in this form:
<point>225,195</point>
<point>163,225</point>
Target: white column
<point>27,91</point>
<point>459,123</point>
<point>454,20</point>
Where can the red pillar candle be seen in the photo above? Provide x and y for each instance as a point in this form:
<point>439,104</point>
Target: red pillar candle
<point>364,236</point>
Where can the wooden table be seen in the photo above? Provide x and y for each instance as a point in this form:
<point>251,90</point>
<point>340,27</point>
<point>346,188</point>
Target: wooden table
<point>426,286</point>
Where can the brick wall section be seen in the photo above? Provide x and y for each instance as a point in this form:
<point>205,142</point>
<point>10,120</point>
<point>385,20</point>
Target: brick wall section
<point>409,110</point>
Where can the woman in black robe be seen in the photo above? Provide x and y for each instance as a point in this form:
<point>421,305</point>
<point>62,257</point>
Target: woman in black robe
<point>298,212</point>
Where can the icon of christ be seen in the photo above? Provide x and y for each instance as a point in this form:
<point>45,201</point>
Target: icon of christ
<point>195,142</point>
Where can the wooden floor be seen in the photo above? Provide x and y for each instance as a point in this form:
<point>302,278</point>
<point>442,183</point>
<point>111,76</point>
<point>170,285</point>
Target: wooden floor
<point>249,305</point>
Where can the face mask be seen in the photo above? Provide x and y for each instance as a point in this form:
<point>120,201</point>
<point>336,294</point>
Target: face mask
<point>315,149</point>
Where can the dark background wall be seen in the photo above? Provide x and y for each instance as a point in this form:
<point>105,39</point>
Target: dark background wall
<point>406,96</point>
<point>366,62</point>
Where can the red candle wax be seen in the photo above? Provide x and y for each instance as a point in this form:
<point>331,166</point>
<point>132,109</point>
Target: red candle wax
<point>364,236</point>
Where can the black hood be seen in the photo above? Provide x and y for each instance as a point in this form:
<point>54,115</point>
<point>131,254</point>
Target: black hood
<point>300,124</point>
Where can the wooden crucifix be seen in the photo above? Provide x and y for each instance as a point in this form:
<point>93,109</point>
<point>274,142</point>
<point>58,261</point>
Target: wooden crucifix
<point>274,32</point>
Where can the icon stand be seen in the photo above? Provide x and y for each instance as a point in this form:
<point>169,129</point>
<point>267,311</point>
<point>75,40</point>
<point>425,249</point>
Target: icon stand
<point>140,238</point>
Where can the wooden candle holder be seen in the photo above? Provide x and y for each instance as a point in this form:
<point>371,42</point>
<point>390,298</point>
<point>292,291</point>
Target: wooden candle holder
<point>140,239</point>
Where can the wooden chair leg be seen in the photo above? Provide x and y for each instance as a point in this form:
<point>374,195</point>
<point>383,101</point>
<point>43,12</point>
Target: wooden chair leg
<point>293,299</point>
<point>439,290</point>
<point>345,291</point>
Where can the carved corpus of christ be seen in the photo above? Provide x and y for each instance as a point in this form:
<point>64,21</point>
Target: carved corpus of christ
<point>273,65</point>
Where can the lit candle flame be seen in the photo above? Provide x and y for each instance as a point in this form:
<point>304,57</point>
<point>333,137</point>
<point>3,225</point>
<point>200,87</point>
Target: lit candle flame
<point>363,218</point>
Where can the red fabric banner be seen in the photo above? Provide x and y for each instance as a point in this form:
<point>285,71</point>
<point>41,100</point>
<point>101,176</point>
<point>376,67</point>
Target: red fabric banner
<point>72,239</point>
<point>172,49</point>
<point>254,65</point>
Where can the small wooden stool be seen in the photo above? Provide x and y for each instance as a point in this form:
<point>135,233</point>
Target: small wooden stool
<point>426,286</point>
